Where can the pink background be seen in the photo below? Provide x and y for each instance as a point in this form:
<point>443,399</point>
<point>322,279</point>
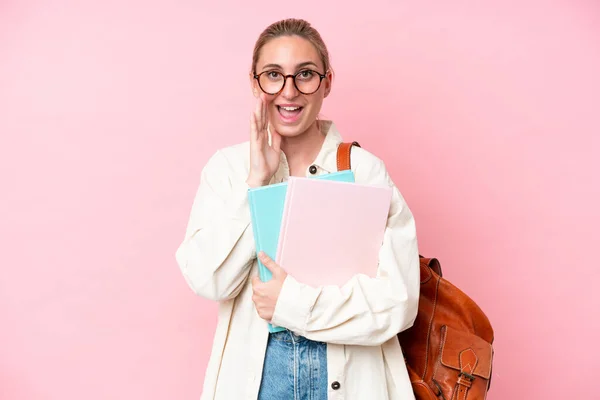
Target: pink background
<point>486,114</point>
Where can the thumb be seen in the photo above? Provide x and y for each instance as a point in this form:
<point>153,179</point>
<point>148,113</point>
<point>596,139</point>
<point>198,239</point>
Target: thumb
<point>269,263</point>
<point>275,140</point>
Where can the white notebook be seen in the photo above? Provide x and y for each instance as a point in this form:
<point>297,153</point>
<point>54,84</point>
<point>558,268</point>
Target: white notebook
<point>331,231</point>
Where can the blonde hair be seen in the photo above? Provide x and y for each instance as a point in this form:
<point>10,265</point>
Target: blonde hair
<point>292,27</point>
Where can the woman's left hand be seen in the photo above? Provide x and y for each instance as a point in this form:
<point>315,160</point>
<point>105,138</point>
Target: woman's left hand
<point>265,294</point>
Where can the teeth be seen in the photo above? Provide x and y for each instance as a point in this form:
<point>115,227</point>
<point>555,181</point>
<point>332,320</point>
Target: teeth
<point>291,108</point>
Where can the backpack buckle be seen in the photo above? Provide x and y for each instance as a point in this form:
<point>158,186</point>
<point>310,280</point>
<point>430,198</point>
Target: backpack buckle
<point>466,375</point>
<point>465,379</point>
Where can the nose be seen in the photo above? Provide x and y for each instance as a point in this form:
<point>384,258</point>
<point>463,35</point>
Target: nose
<point>289,90</point>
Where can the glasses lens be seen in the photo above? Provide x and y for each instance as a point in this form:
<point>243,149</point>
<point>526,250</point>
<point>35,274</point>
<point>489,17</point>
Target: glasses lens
<point>271,82</point>
<point>308,81</point>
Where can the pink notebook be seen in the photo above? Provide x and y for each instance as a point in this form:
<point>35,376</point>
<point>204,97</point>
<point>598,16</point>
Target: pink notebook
<point>331,231</point>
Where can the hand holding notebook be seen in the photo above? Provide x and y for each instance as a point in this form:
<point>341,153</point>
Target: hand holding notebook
<point>266,294</point>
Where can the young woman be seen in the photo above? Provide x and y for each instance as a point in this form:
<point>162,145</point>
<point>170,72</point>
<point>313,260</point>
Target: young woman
<point>339,342</point>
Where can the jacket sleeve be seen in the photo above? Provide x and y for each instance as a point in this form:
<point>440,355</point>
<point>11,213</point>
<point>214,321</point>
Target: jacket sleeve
<point>365,310</point>
<point>218,248</point>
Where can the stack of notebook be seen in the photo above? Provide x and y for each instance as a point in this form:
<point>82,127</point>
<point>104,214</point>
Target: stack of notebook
<point>321,230</point>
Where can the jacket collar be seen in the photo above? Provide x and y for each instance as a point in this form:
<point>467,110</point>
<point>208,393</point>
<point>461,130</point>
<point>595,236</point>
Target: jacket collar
<point>326,160</point>
<point>327,157</point>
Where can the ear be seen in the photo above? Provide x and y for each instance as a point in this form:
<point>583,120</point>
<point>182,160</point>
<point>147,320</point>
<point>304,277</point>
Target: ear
<point>254,85</point>
<point>327,82</point>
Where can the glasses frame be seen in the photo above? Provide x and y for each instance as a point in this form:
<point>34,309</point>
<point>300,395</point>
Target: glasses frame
<point>293,76</point>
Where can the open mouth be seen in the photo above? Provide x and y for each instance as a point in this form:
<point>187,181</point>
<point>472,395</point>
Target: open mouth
<point>289,113</point>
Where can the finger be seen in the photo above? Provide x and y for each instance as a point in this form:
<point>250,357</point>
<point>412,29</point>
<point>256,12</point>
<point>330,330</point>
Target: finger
<point>275,140</point>
<point>265,112</point>
<point>265,119</point>
<point>258,288</point>
<point>253,130</point>
<point>269,263</point>
<point>259,116</point>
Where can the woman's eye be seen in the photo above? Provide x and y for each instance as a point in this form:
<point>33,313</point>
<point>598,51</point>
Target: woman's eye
<point>273,75</point>
<point>306,74</point>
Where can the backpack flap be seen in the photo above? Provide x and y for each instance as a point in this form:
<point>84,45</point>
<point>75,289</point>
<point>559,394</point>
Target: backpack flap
<point>465,365</point>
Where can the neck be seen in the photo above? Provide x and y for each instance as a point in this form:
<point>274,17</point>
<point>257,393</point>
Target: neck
<point>301,150</point>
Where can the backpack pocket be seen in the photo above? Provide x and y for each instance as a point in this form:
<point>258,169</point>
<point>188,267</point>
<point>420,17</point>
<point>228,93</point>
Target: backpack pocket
<point>464,365</point>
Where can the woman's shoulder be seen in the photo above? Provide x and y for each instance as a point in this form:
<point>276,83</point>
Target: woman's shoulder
<point>230,159</point>
<point>368,167</point>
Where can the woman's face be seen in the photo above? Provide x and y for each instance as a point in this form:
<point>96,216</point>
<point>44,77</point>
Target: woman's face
<point>290,111</point>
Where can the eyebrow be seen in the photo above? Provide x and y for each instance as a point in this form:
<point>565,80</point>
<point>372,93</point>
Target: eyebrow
<point>301,65</point>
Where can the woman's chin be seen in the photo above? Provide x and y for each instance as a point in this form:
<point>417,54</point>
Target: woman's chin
<point>290,130</point>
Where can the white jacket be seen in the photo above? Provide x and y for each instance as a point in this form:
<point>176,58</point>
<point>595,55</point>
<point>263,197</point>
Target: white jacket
<point>358,320</point>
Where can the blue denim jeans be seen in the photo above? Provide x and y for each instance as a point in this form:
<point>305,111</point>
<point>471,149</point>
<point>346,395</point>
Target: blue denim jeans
<point>295,368</point>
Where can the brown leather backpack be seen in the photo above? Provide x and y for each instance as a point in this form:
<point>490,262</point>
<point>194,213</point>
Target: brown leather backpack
<point>448,350</point>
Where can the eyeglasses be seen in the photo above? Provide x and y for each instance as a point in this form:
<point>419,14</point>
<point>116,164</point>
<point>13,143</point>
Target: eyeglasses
<point>306,81</point>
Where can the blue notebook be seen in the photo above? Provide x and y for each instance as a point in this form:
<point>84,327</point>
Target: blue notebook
<point>266,211</point>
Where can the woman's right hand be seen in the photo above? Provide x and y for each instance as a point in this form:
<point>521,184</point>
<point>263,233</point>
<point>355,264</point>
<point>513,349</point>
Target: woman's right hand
<point>264,157</point>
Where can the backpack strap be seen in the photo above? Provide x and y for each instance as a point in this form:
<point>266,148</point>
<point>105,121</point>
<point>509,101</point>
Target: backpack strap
<point>343,155</point>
